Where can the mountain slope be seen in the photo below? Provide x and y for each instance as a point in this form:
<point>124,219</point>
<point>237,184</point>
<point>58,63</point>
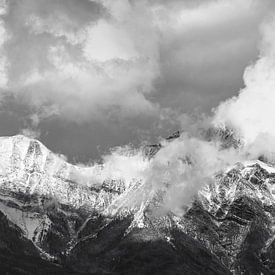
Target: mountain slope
<point>72,227</point>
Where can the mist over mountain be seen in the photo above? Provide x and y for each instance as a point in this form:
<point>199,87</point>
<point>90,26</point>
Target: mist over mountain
<point>120,218</point>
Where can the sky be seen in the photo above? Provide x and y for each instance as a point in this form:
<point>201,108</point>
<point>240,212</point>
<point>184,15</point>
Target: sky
<point>85,76</point>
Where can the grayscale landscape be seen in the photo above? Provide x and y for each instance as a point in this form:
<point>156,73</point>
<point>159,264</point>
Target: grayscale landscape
<point>137,137</point>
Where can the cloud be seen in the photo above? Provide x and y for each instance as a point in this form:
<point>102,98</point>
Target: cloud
<point>207,46</point>
<point>184,165</point>
<point>251,113</point>
<point>173,176</point>
<point>106,42</point>
<point>132,57</point>
<point>79,57</point>
<point>30,133</point>
<point>121,69</point>
<point>122,164</point>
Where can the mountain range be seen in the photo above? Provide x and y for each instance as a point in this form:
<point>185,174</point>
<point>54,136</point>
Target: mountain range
<point>52,224</point>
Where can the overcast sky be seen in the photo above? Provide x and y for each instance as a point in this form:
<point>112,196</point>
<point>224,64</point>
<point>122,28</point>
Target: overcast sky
<point>84,76</point>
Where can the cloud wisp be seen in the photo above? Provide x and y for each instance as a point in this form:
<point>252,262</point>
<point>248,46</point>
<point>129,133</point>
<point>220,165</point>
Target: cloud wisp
<point>251,114</point>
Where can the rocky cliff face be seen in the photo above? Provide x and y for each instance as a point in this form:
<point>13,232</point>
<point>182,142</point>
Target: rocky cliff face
<point>234,218</point>
<point>38,194</point>
<point>53,224</point>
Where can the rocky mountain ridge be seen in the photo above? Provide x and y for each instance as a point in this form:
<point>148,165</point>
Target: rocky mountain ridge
<point>72,227</point>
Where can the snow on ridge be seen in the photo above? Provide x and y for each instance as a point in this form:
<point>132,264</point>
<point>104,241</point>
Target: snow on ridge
<point>270,169</point>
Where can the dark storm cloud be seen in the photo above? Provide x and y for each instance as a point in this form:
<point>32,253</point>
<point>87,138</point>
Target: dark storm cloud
<point>206,52</point>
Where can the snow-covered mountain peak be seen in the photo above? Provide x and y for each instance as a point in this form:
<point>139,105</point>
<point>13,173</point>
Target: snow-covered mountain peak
<point>28,167</point>
<point>19,153</point>
<point>44,196</point>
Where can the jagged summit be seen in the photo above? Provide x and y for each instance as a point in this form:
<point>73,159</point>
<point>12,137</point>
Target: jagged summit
<point>29,167</point>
